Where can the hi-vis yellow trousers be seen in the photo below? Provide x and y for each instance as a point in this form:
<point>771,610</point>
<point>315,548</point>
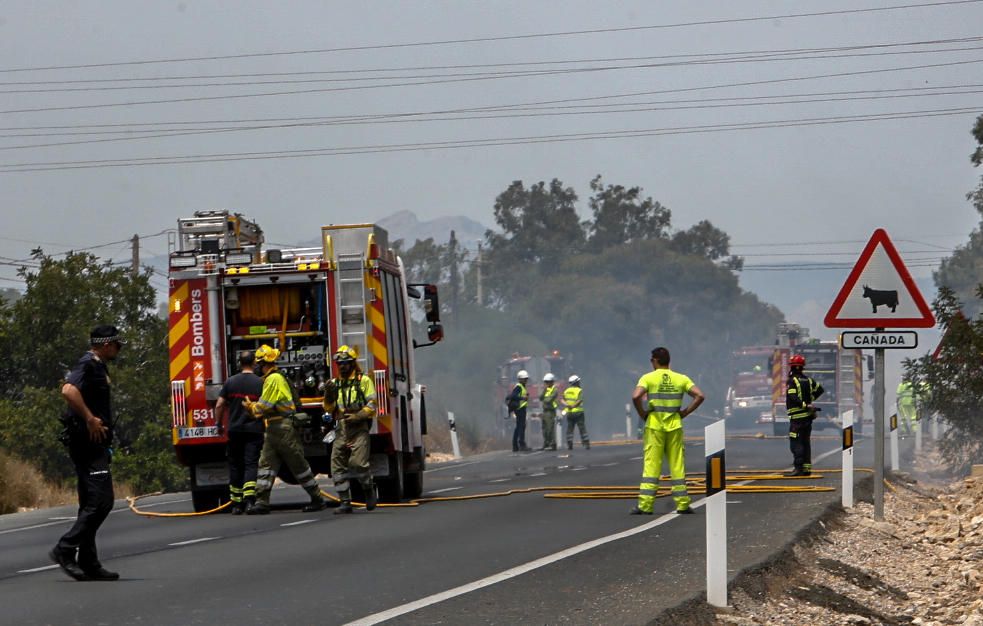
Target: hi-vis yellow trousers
<point>655,445</point>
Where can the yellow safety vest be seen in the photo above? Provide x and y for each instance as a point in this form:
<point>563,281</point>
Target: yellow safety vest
<point>665,389</point>
<point>523,396</point>
<point>573,399</point>
<point>277,397</point>
<point>549,398</point>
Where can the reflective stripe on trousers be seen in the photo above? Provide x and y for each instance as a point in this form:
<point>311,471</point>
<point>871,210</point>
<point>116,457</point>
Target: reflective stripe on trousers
<point>655,445</point>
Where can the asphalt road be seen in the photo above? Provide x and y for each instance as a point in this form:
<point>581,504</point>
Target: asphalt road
<point>519,559</point>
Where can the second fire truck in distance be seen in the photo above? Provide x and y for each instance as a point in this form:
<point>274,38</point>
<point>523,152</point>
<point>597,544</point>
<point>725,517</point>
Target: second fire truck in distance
<point>230,292</point>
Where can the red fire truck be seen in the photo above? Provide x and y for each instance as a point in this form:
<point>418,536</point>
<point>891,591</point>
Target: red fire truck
<point>536,367</point>
<point>230,292</point>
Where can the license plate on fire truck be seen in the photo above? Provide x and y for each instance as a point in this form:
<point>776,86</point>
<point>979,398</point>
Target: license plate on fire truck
<point>198,432</point>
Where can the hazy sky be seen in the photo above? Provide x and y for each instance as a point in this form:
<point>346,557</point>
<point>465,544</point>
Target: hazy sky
<point>800,186</point>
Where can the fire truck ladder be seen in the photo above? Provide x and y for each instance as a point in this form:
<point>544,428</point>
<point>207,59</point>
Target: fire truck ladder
<point>351,300</point>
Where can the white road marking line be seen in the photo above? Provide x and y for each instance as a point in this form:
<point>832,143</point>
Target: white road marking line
<point>436,598</point>
<point>377,618</point>
<point>191,541</point>
<point>298,523</point>
<point>500,480</point>
<point>455,465</point>
<point>446,489</point>
<point>578,469</point>
<point>538,474</point>
<point>608,464</point>
<point>62,519</point>
<point>17,530</point>
<point>636,458</point>
<point>36,569</point>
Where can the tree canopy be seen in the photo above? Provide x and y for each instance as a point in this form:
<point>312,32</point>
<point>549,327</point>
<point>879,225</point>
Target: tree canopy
<point>44,333</point>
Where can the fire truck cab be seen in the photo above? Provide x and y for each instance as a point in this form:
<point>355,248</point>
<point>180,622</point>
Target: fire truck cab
<point>230,293</point>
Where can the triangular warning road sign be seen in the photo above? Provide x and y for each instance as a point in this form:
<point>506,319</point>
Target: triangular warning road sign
<point>879,292</point>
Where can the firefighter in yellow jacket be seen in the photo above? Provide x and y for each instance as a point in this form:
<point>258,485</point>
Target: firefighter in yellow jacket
<point>658,399</point>
<point>281,444</point>
<point>350,399</point>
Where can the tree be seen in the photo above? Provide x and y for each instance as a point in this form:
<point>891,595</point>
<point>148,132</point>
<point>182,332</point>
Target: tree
<point>622,216</point>
<point>540,227</point>
<point>954,380</point>
<point>43,334</point>
<point>961,271</point>
<point>706,240</point>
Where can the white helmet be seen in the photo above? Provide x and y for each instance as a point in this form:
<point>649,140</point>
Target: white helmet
<point>523,374</point>
<point>573,379</point>
<point>549,378</point>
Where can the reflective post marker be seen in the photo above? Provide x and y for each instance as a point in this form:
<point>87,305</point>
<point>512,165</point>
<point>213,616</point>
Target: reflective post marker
<point>847,472</point>
<point>453,427</point>
<point>895,466</point>
<point>716,508</point>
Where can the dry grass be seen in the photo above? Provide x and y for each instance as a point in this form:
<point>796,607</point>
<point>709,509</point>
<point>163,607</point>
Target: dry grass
<point>22,487</point>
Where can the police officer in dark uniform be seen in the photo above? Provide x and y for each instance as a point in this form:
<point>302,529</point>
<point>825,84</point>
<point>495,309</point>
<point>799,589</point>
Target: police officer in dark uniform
<point>89,434</point>
<point>802,391</point>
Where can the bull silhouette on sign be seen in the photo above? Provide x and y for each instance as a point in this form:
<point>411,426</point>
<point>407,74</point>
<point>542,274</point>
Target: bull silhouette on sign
<point>878,298</point>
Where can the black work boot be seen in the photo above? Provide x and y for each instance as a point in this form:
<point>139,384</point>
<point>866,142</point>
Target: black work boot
<point>238,508</point>
<point>569,445</point>
<point>344,507</point>
<point>371,499</point>
<point>315,505</point>
<point>258,508</point>
<point>67,564</point>
<point>98,572</point>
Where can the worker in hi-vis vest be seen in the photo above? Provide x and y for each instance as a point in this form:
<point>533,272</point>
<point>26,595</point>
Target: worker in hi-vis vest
<point>658,399</point>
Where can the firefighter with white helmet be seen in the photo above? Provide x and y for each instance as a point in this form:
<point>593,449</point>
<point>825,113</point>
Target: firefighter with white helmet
<point>351,401</point>
<point>548,399</point>
<point>517,403</point>
<point>281,445</point>
<point>573,403</point>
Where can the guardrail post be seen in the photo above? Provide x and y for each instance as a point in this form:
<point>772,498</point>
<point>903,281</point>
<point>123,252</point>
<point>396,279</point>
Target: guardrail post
<point>716,508</point>
<point>453,428</point>
<point>895,465</point>
<point>847,472</point>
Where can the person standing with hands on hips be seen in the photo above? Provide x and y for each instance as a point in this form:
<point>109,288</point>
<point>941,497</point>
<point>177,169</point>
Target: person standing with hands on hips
<point>658,399</point>
<point>89,436</point>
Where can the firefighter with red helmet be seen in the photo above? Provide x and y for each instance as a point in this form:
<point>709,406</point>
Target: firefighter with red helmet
<point>802,391</point>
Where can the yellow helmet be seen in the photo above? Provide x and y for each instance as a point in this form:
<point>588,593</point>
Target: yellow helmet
<point>267,354</point>
<point>346,353</point>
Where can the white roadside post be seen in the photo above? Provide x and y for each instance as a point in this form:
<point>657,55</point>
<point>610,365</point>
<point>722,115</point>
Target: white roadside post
<point>895,465</point>
<point>453,426</point>
<point>917,426</point>
<point>847,472</point>
<point>559,429</point>
<point>716,508</point>
<point>628,422</point>
<point>935,427</point>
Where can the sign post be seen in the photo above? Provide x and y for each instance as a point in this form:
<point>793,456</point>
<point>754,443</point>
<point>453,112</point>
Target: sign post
<point>879,293</point>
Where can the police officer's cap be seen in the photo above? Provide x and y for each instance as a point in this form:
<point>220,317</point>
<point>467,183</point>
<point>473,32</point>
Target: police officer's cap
<point>104,334</point>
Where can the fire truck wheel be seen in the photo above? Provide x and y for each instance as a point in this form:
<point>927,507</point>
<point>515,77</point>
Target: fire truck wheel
<point>391,489</point>
<point>208,499</point>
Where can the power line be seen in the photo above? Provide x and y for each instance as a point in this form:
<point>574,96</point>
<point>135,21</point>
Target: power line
<point>768,57</point>
<point>737,53</point>
<point>443,42</point>
<point>512,114</point>
<point>456,80</point>
<point>488,108</point>
<point>473,143</point>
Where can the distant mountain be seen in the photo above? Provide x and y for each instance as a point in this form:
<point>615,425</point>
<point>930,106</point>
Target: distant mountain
<point>407,226</point>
